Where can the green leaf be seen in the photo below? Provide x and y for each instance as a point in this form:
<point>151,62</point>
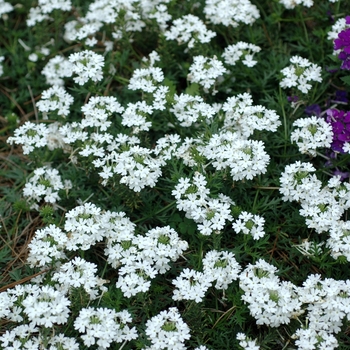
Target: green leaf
<point>346,80</point>
<point>193,89</point>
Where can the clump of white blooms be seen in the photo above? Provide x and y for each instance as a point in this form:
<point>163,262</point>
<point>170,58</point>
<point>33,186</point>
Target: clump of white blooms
<point>248,223</point>
<point>244,117</point>
<point>56,69</point>
<point>103,326</point>
<point>322,206</point>
<point>312,133</point>
<point>143,257</point>
<point>84,226</point>
<point>191,285</point>
<point>205,71</point>
<point>79,273</point>
<point>146,79</point>
<point>241,50</point>
<point>221,267</point>
<point>30,136</point>
<point>44,8</point>
<point>244,158</point>
<point>211,214</point>
<point>290,4</point>
<point>98,110</point>
<point>56,99</point>
<point>44,185</point>
<point>231,12</point>
<point>190,109</point>
<point>87,65</point>
<point>338,240</point>
<point>300,73</point>
<point>328,304</point>
<point>167,330</point>
<point>270,301</point>
<point>296,182</point>
<point>189,29</point>
<point>46,306</point>
<point>247,343</point>
<point>5,7</point>
<point>47,247</point>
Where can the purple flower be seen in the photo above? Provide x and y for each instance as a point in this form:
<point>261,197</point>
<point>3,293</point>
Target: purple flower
<point>343,174</point>
<point>347,19</point>
<point>343,43</point>
<point>313,110</point>
<point>292,98</point>
<point>340,122</point>
<point>341,95</point>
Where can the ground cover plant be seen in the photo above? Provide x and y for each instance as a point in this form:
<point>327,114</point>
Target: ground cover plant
<point>174,174</point>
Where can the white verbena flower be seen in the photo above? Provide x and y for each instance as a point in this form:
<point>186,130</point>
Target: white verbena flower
<point>87,65</point>
<point>47,247</point>
<point>312,133</point>
<point>55,99</point>
<point>205,71</point>
<point>231,12</point>
<point>300,73</point>
<point>102,326</point>
<point>246,51</point>
<point>189,29</point>
<point>249,224</point>
<point>167,330</point>
<point>221,267</point>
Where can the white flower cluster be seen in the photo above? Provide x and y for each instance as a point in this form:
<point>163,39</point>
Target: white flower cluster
<point>30,136</point>
<point>55,99</point>
<point>189,29</point>
<point>104,326</point>
<point>167,330</point>
<point>44,8</point>
<point>246,343</point>
<point>190,109</point>
<point>47,247</point>
<point>250,224</point>
<point>143,257</point>
<point>337,27</point>
<point>87,65</point>
<point>56,69</point>
<point>328,304</point>
<point>98,110</point>
<point>85,226</point>
<point>44,185</point>
<point>270,301</point>
<point>5,7</point>
<point>221,267</point>
<point>290,4</point>
<point>246,51</point>
<point>312,133</point>
<point>300,73</point>
<point>205,71</point>
<point>79,273</point>
<point>133,163</point>
<point>231,12</point>
<point>146,79</point>
<point>40,305</point>
<point>245,158</point>
<point>209,213</point>
<point>323,207</point>
<point>242,116</point>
